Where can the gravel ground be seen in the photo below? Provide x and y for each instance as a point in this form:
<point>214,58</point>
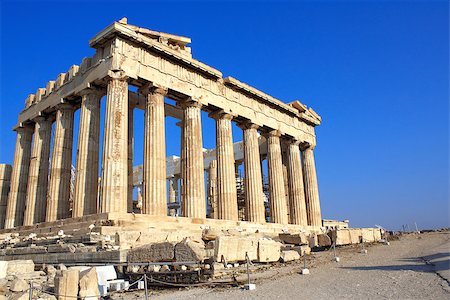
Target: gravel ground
<point>397,271</point>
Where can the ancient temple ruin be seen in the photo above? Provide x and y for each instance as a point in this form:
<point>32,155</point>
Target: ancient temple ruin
<point>161,66</point>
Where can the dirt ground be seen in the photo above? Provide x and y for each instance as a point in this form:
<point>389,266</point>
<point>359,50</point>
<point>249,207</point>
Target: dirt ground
<point>414,267</point>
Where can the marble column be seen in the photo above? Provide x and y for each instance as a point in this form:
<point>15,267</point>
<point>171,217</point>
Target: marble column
<point>227,208</point>
<point>86,175</point>
<point>285,161</point>
<point>154,172</point>
<point>311,188</point>
<point>38,173</point>
<point>192,169</point>
<point>130,158</point>
<point>254,198</point>
<point>5,183</point>
<point>278,205</point>
<point>115,147</point>
<point>297,204</point>
<point>19,178</point>
<point>61,166</point>
<point>212,189</point>
<point>172,195</point>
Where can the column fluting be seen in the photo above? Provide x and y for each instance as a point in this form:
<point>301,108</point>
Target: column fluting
<point>297,203</point>
<point>277,195</point>
<point>115,147</point>
<point>254,198</point>
<point>212,189</point>
<point>38,172</point>
<point>227,208</point>
<point>130,158</point>
<point>155,194</point>
<point>86,176</point>
<point>311,187</point>
<point>192,170</point>
<point>61,165</point>
<point>19,178</point>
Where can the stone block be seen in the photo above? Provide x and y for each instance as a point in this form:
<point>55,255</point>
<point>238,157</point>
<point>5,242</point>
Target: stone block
<point>3,269</point>
<point>355,235</point>
<point>367,235</point>
<point>289,255</point>
<point>268,250</point>
<point>105,273</point>
<point>300,249</point>
<point>341,237</point>
<point>377,234</point>
<point>324,240</point>
<point>89,284</point>
<point>313,241</point>
<point>19,267</point>
<point>152,253</point>
<point>211,234</point>
<point>233,248</point>
<point>190,250</point>
<point>296,239</point>
<point>66,284</point>
<point>19,285</point>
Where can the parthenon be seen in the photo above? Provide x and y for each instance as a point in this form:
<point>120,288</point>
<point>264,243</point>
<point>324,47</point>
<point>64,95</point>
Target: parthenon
<point>160,66</point>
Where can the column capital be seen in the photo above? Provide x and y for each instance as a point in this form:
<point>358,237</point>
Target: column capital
<point>65,106</point>
<point>189,102</point>
<point>247,125</point>
<point>294,142</point>
<point>305,146</point>
<point>119,75</point>
<point>221,114</point>
<point>97,91</point>
<point>272,133</point>
<point>151,88</point>
<point>23,128</point>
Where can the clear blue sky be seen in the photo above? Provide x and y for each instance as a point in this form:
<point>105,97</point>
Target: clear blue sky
<point>376,71</point>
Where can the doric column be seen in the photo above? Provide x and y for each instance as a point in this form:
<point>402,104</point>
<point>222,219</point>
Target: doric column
<point>278,205</point>
<point>226,181</point>
<point>19,178</point>
<point>311,187</point>
<point>212,189</point>
<point>61,166</point>
<point>155,195</point>
<point>86,176</point>
<point>192,172</point>
<point>254,198</point>
<point>5,183</point>
<point>297,204</point>
<point>130,158</point>
<point>38,173</point>
<point>172,194</point>
<point>115,147</point>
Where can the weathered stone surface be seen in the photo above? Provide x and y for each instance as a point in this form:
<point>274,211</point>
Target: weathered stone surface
<point>19,267</point>
<point>152,253</point>
<point>89,284</point>
<point>313,241</point>
<point>302,249</point>
<point>289,255</point>
<point>324,240</point>
<point>268,250</point>
<point>233,248</point>
<point>190,250</point>
<point>20,296</point>
<point>67,284</point>
<point>296,239</point>
<point>19,285</point>
<point>355,235</point>
<point>210,234</point>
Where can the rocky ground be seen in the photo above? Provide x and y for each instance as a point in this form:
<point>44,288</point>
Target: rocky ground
<point>413,267</point>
